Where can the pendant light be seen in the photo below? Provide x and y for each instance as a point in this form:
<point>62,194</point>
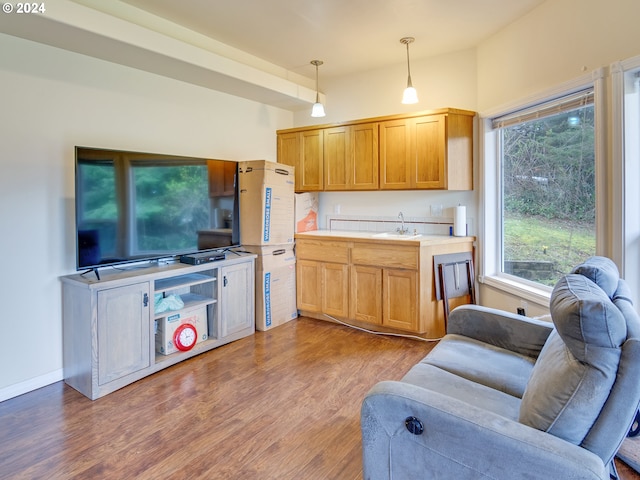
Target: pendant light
<point>318,109</point>
<point>410,95</point>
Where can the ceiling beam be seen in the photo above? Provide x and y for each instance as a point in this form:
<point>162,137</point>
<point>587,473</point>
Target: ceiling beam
<point>87,31</point>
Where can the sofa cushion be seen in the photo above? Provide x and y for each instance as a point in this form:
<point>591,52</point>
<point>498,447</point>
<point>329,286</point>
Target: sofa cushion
<point>482,363</point>
<point>601,271</point>
<point>446,383</point>
<point>577,367</point>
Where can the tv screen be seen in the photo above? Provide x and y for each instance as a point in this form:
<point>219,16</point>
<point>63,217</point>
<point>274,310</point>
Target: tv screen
<point>134,206</point>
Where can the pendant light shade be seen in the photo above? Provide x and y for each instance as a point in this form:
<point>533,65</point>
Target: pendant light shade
<point>410,95</point>
<point>318,109</point>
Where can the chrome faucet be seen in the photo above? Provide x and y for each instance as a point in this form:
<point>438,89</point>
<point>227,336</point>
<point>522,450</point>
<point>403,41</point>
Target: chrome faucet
<point>401,230</point>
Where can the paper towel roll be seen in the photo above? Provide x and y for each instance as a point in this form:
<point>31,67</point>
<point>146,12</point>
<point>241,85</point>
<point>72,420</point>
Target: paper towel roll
<point>460,221</point>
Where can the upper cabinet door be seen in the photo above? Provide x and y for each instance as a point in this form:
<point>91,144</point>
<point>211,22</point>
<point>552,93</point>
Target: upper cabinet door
<point>290,153</point>
<point>310,170</point>
<point>428,157</point>
<point>395,154</point>
<point>337,158</point>
<point>351,157</point>
<point>364,157</point>
<point>303,150</point>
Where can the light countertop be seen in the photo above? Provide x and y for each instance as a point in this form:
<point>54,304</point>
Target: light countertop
<point>386,237</point>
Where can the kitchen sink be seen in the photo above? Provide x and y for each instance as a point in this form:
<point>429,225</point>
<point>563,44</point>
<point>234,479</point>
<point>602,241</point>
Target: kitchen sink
<point>395,235</point>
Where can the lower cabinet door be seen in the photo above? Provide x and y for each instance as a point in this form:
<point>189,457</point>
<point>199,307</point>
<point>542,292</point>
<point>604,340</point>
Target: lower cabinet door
<point>366,299</point>
<point>237,298</point>
<point>400,297</point>
<point>124,331</point>
<point>335,289</point>
<point>309,285</point>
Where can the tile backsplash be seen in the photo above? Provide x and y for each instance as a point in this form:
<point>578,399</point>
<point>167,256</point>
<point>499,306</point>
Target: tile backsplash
<point>419,225</point>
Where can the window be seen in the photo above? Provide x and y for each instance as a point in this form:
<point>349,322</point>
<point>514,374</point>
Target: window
<point>547,188</point>
<point>626,161</point>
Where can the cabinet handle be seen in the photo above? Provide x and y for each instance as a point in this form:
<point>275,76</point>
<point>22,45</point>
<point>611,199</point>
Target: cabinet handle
<point>145,300</point>
<point>224,281</point>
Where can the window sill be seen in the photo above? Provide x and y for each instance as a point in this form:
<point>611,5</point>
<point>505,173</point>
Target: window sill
<point>527,291</point>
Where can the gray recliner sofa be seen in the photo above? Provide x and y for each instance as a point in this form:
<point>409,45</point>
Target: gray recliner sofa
<point>503,396</point>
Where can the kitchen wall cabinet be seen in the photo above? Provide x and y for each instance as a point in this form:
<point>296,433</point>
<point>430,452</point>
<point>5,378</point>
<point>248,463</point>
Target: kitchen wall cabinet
<point>384,284</point>
<point>351,157</point>
<point>425,150</point>
<point>304,151</point>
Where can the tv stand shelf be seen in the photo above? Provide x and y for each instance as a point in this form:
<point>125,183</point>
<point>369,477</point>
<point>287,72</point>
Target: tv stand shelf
<point>110,324</point>
<point>190,300</point>
<point>182,280</point>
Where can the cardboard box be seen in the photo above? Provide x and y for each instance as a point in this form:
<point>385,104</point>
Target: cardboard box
<point>306,211</point>
<point>275,285</point>
<point>266,203</point>
<point>166,327</point>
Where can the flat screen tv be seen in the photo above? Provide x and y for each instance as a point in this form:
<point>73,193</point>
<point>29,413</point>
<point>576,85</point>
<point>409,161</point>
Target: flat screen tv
<point>134,206</point>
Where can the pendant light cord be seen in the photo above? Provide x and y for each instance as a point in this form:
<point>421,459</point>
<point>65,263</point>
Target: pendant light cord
<point>318,108</point>
<point>407,41</point>
<point>408,66</point>
<point>317,85</point>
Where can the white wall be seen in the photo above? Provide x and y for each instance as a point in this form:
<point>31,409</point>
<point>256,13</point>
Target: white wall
<point>553,44</point>
<point>52,100</point>
<point>442,81</point>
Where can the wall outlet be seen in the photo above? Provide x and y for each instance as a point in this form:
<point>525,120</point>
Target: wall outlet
<point>522,309</point>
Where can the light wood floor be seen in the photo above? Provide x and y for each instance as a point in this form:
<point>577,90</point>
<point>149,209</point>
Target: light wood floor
<point>282,404</point>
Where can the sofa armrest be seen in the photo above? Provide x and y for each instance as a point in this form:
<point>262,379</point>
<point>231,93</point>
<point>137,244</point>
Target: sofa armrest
<point>524,335</point>
<point>460,441</point>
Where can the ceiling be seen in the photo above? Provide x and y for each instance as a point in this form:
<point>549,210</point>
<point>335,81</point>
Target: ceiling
<point>261,49</point>
<point>348,35</point>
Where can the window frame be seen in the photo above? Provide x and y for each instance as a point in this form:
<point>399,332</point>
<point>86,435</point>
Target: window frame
<point>625,154</point>
<point>490,205</point>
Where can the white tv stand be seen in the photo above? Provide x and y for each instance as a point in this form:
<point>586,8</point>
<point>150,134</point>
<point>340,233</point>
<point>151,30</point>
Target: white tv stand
<point>109,325</point>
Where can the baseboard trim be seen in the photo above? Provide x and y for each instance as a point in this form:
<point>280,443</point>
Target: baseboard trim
<point>32,384</point>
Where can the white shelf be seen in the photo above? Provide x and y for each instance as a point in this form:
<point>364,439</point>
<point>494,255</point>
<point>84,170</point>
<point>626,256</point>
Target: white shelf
<point>180,281</point>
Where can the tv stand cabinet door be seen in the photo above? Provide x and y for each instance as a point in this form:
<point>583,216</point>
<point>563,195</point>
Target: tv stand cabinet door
<point>124,333</point>
<point>237,308</point>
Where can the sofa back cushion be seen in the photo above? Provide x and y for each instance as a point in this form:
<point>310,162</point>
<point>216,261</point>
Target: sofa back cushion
<point>601,271</point>
<point>615,419</point>
<point>577,367</point>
